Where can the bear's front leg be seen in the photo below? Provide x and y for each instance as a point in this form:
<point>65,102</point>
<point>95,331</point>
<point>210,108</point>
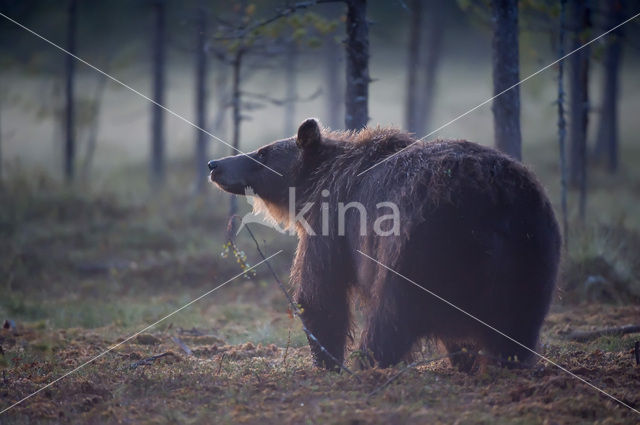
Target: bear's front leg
<point>392,325</point>
<point>330,327</point>
<point>322,294</point>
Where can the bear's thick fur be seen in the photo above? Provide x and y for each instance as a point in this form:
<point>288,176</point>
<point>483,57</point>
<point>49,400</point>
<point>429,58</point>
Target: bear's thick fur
<point>475,228</point>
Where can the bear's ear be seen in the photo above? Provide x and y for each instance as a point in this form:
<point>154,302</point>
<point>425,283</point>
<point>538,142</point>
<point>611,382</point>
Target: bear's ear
<point>309,134</point>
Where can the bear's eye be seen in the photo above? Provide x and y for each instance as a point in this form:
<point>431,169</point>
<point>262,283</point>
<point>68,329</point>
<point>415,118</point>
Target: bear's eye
<point>262,154</point>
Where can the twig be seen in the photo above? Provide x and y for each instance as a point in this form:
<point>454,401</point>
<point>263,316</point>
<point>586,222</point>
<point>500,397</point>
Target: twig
<point>286,349</point>
<point>193,331</point>
<point>220,363</point>
<point>583,336</point>
<point>182,345</point>
<point>280,102</point>
<point>150,360</point>
<point>296,310</point>
<point>9,324</point>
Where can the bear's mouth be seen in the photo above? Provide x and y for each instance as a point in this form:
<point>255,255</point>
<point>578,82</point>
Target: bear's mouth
<point>236,188</point>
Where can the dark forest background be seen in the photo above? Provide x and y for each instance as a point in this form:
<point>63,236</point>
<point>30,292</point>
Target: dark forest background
<point>108,222</point>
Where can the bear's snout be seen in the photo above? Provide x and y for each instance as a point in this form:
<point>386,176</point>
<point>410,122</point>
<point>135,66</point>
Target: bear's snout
<point>227,174</point>
<point>214,170</point>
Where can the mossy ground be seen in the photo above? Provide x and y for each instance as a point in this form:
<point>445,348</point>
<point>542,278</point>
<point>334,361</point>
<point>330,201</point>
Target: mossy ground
<point>276,383</point>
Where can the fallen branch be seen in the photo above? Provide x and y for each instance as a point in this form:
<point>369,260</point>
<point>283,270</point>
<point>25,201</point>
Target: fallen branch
<point>583,336</point>
<point>296,310</point>
<point>182,345</point>
<point>150,360</point>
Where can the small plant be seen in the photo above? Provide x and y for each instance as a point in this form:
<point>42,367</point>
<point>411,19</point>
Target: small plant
<point>240,256</point>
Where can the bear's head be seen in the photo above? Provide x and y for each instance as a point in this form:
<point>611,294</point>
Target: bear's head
<point>274,168</point>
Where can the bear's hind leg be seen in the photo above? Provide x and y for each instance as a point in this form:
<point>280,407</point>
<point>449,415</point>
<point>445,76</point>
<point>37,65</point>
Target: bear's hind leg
<point>462,356</point>
<point>509,353</point>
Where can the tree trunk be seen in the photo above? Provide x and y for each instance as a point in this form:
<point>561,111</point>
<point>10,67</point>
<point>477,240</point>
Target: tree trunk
<point>506,70</point>
<point>219,123</point>
<point>413,59</point>
<point>607,142</point>
<point>290,73</point>
<point>334,86</point>
<point>236,101</point>
<point>562,127</point>
<point>433,51</point>
<point>579,100</point>
<point>357,52</point>
<point>92,137</point>
<point>157,165</point>
<point>69,147</point>
<point>200,154</point>
<point>2,97</point>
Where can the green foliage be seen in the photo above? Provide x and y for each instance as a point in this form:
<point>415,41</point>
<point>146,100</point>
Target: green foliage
<point>303,29</point>
<point>612,344</point>
<point>549,8</point>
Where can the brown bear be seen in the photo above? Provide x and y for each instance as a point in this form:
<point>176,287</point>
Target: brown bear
<point>463,221</point>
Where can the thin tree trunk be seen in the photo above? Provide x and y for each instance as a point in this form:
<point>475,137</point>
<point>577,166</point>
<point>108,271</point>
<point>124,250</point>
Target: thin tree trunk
<point>290,73</point>
<point>579,101</point>
<point>334,86</point>
<point>237,117</point>
<point>200,153</point>
<point>157,164</point>
<point>413,59</point>
<point>506,70</point>
<point>219,122</point>
<point>357,51</point>
<point>2,95</point>
<point>69,147</point>
<point>95,125</point>
<point>607,142</point>
<point>433,51</point>
<point>562,128</point>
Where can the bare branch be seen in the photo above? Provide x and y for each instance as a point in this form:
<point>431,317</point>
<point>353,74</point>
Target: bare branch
<point>583,336</point>
<point>282,13</point>
<point>150,360</point>
<point>283,101</point>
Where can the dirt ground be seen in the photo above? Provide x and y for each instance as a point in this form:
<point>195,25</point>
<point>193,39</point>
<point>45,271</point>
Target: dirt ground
<point>247,383</point>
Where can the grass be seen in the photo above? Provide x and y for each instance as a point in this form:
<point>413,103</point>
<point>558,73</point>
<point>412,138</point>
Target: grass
<point>82,269</point>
